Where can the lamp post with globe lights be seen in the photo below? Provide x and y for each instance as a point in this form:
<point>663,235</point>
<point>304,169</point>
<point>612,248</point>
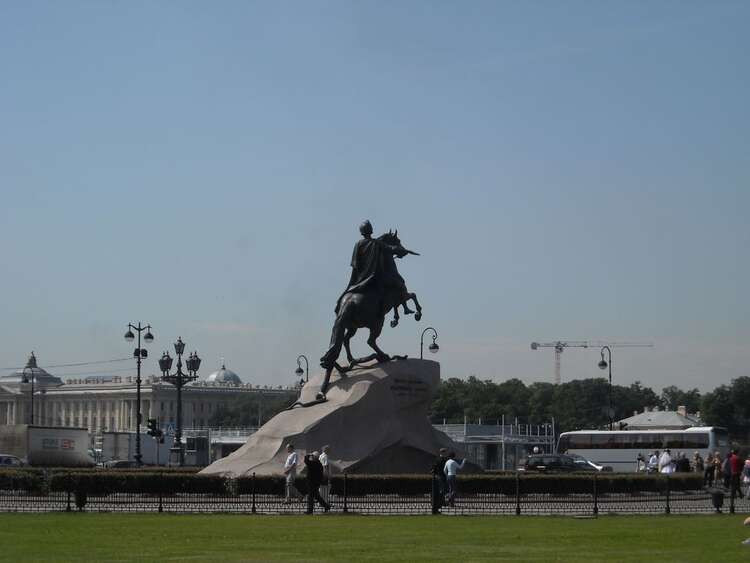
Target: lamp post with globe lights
<point>179,379</point>
<point>298,372</point>
<point>30,365</point>
<point>432,347</point>
<point>139,354</point>
<point>603,364</point>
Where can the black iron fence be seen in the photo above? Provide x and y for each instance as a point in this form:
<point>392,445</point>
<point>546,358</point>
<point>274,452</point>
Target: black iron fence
<point>511,494</point>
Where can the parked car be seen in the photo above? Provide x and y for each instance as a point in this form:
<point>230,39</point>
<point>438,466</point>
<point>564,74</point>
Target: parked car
<point>587,464</point>
<point>118,464</point>
<point>7,460</point>
<point>557,463</point>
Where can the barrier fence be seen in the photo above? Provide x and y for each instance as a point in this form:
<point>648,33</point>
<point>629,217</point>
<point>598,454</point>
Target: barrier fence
<point>584,496</point>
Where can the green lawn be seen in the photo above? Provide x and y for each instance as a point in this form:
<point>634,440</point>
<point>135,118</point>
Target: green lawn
<point>154,537</point>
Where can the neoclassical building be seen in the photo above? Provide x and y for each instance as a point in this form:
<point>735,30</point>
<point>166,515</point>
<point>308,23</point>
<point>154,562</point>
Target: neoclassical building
<point>108,403</point>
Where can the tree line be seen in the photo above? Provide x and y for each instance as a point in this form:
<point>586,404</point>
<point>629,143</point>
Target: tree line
<point>574,405</point>
<point>584,403</point>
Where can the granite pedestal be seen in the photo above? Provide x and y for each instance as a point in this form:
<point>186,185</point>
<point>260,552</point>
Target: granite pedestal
<point>375,421</point>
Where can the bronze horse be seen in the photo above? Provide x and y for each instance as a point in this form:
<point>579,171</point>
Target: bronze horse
<point>367,307</point>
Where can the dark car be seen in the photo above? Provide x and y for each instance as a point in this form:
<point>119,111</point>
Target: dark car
<point>7,460</point>
<point>119,464</point>
<point>554,463</point>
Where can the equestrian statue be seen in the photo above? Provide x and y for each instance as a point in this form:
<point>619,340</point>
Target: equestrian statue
<point>375,287</point>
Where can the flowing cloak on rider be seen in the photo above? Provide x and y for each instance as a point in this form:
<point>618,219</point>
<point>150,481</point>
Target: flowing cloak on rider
<point>373,269</point>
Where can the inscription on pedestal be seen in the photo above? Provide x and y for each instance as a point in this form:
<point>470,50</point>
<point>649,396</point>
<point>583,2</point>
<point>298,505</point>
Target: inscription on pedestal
<point>409,388</point>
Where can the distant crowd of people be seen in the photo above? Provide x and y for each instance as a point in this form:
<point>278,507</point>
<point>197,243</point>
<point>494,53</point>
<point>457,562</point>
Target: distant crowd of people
<point>730,471</point>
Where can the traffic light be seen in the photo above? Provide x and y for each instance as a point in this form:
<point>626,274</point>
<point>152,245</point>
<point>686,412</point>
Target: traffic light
<point>152,429</point>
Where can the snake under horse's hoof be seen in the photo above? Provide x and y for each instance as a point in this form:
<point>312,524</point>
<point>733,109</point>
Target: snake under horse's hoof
<point>319,398</point>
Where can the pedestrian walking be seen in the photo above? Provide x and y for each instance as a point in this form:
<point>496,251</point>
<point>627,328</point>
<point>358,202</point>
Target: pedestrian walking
<point>682,465</point>
<point>698,465</point>
<point>736,465</point>
<point>746,477</point>
<point>314,480</point>
<point>640,463</point>
<point>708,472</point>
<point>325,487</point>
<point>441,481</point>
<point>290,473</point>
<point>665,463</point>
<point>726,470</point>
<point>653,462</point>
<point>717,468</point>
<point>450,470</point>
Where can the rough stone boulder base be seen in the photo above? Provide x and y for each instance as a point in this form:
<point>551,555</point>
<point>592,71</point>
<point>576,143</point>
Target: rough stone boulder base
<point>375,421</point>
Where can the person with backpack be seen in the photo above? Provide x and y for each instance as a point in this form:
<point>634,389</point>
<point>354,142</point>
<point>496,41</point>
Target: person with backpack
<point>314,480</point>
<point>441,482</point>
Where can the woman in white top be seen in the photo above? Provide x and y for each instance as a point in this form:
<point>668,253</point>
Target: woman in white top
<point>451,469</point>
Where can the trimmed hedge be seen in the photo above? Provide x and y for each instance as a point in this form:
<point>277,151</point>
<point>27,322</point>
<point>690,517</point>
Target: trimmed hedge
<point>266,485</point>
<point>577,483</point>
<point>167,482</point>
<point>405,485</point>
<point>146,482</point>
<point>29,480</point>
<point>414,485</point>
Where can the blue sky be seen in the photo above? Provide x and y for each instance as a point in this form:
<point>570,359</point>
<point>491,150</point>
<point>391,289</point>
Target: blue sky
<point>570,170</point>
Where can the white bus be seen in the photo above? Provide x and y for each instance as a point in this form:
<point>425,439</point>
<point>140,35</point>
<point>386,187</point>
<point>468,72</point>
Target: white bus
<point>619,449</point>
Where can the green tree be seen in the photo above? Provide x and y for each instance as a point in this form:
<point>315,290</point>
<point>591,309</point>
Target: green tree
<point>673,397</point>
<point>740,392</point>
<point>541,399</point>
<point>717,408</point>
<point>729,406</point>
<point>581,403</point>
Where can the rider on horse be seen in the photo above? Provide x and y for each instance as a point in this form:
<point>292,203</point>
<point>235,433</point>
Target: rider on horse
<point>369,271</point>
<point>375,286</point>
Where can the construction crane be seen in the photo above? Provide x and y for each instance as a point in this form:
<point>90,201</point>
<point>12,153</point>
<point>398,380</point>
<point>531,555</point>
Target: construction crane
<point>560,345</point>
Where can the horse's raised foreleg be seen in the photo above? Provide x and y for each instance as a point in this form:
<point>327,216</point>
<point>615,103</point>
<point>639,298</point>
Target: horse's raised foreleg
<point>405,304</point>
<point>413,297</point>
<point>394,322</point>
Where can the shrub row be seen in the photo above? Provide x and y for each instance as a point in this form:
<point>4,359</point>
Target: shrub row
<point>31,480</point>
<point>102,482</point>
<point>146,482</point>
<point>577,483</point>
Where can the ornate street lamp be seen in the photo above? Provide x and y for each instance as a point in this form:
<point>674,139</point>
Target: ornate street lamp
<point>179,379</point>
<point>30,365</point>
<point>432,347</point>
<point>603,364</point>
<point>299,371</point>
<point>139,354</point>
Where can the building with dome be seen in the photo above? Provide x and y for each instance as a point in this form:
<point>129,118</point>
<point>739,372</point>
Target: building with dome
<point>108,403</point>
<point>16,391</point>
<point>224,376</point>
